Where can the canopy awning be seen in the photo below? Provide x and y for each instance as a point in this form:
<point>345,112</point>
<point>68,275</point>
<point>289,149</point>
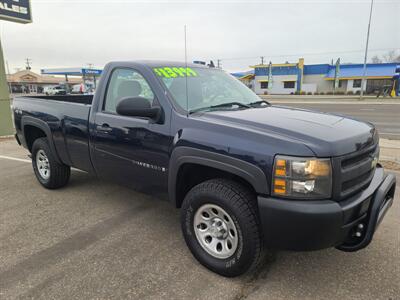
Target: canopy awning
<point>248,76</point>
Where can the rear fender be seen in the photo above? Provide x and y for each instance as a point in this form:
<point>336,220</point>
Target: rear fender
<point>42,125</point>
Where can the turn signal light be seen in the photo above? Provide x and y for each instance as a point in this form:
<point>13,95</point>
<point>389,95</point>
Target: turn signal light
<point>280,167</point>
<point>280,186</point>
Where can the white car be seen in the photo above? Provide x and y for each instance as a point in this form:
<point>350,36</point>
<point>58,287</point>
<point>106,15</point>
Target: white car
<point>55,90</point>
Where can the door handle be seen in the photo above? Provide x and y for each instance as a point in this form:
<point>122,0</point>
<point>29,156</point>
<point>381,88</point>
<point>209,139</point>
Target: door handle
<point>104,128</point>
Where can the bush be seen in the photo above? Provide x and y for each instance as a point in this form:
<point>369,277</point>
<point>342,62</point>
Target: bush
<point>316,93</point>
<point>297,93</point>
<point>309,93</point>
<point>265,92</point>
<point>358,92</point>
<point>350,93</point>
<point>321,93</point>
<point>339,93</point>
<point>329,93</point>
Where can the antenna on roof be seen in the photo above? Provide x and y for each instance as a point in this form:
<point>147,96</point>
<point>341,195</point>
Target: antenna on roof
<point>186,79</point>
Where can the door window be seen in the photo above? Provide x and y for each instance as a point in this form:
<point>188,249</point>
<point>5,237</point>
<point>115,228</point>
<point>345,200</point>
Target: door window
<point>126,83</point>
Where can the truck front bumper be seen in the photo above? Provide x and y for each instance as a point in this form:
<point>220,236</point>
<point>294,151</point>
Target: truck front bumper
<point>348,225</point>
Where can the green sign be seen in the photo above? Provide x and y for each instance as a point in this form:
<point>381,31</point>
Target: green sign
<point>14,11</point>
<point>6,127</point>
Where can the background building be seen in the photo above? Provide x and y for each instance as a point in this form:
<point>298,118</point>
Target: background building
<point>291,78</point>
<point>27,81</point>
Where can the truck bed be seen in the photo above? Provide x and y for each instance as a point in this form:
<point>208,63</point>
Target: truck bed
<point>67,119</point>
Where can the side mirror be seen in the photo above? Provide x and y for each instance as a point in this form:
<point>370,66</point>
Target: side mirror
<point>137,107</point>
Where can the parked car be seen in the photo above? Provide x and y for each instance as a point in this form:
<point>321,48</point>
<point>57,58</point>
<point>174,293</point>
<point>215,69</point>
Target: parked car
<point>79,89</point>
<point>55,90</point>
<point>247,175</point>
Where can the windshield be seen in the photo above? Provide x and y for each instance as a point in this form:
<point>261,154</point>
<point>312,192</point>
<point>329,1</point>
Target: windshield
<point>205,87</point>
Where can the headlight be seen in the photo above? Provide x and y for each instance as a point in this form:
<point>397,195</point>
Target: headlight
<point>302,177</point>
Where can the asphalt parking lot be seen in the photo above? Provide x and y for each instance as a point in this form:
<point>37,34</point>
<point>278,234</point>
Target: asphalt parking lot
<point>97,240</point>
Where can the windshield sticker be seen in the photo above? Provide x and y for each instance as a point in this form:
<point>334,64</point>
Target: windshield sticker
<point>173,72</point>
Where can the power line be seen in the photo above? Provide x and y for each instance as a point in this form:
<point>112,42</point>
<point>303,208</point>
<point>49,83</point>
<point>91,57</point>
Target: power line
<point>310,53</point>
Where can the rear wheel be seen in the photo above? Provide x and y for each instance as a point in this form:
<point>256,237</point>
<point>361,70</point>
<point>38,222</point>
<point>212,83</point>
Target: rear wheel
<point>48,171</point>
<point>221,227</point>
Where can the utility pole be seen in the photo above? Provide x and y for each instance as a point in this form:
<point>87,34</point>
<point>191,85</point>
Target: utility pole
<point>366,53</point>
<point>28,62</point>
<point>262,59</point>
<point>218,63</point>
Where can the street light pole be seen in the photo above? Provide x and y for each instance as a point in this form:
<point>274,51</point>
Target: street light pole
<point>366,53</point>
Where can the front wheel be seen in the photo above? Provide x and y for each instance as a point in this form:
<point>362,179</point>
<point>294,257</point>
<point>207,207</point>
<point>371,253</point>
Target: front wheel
<point>220,225</point>
<point>48,171</point>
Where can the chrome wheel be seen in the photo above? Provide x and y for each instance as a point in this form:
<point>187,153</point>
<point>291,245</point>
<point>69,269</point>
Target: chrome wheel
<point>215,231</point>
<point>42,164</point>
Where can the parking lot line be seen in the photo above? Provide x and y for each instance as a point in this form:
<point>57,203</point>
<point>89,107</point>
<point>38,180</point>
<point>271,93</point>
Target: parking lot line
<point>16,159</point>
<point>29,161</point>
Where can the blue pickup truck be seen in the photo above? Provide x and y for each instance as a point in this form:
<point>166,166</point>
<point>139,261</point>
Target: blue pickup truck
<point>247,175</point>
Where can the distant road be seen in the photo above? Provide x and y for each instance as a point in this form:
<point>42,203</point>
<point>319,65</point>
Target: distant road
<point>385,116</point>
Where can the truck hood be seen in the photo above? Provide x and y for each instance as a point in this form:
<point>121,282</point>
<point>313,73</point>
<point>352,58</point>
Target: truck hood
<point>325,134</point>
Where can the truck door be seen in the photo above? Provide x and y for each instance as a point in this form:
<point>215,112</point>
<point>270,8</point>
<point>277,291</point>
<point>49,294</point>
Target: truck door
<point>131,150</point>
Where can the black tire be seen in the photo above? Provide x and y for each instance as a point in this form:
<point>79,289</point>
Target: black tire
<point>241,206</point>
<point>59,173</point>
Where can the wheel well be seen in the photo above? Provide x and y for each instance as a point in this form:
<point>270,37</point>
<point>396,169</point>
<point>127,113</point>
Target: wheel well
<point>32,133</point>
<point>190,175</point>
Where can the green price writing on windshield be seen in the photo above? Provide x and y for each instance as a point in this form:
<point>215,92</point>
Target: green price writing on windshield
<point>172,72</point>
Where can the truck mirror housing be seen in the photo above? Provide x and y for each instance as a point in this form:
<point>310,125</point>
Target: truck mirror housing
<point>137,107</point>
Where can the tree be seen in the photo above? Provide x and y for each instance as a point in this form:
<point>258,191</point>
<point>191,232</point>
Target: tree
<point>376,60</point>
<point>392,56</point>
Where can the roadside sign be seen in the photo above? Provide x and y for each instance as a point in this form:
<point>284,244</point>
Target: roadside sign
<point>91,72</point>
<point>16,11</point>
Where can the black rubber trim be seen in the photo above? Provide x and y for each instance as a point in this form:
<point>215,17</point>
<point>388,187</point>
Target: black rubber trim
<point>27,120</point>
<point>300,224</point>
<point>249,172</point>
<point>311,225</point>
<point>381,202</point>
<point>17,139</point>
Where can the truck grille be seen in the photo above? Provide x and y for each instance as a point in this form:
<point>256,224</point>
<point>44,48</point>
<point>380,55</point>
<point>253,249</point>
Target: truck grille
<point>354,172</point>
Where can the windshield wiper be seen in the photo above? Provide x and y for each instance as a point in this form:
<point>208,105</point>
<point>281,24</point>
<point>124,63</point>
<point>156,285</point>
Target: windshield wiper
<point>259,103</point>
<point>228,104</point>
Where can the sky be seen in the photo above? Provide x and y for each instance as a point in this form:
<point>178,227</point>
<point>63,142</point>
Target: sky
<point>68,33</point>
